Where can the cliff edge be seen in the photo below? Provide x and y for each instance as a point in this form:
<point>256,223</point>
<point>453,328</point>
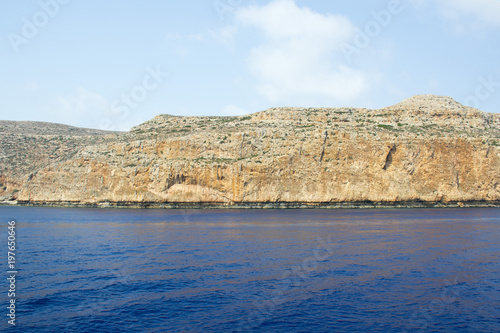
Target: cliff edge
<point>425,151</point>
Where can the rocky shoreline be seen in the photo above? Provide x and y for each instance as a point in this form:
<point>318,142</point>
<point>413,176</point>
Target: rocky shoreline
<point>261,205</point>
<point>427,151</point>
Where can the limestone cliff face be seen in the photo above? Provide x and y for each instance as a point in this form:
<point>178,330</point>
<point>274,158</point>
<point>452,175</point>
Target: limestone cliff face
<point>427,148</point>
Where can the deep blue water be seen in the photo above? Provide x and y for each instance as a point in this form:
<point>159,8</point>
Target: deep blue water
<point>87,270</point>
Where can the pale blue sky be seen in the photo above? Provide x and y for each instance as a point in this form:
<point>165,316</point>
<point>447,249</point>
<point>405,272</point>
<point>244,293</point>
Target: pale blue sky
<point>104,64</point>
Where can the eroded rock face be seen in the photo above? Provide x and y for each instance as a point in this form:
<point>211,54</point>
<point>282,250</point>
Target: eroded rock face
<point>427,148</point>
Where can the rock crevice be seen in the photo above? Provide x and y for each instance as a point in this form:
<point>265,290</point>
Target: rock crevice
<point>430,149</point>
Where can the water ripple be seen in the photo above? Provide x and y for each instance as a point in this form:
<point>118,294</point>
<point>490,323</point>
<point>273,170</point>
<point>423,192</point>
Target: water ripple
<point>84,270</point>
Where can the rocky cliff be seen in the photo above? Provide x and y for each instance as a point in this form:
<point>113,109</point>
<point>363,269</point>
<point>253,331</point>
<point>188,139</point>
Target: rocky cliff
<point>425,151</point>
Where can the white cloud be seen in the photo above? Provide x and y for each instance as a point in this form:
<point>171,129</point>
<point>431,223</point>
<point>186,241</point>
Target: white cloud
<point>32,86</point>
<point>233,110</point>
<point>83,108</point>
<point>225,35</point>
<point>181,43</point>
<point>300,58</point>
<point>186,37</point>
<point>487,11</point>
<point>82,102</point>
<point>483,11</point>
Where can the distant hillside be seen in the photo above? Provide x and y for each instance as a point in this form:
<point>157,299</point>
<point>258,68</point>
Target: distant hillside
<point>425,151</point>
<point>36,128</point>
<point>28,146</point>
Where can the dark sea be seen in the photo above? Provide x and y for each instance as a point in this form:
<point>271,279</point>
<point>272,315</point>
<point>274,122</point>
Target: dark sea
<point>106,270</point>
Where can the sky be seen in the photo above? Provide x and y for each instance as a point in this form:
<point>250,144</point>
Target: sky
<point>114,64</point>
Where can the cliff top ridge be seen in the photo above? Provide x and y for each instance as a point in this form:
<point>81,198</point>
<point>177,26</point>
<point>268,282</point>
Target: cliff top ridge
<point>428,101</point>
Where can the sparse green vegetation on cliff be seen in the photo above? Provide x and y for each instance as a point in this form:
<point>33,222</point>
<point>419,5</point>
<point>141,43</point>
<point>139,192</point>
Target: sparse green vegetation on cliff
<point>427,148</point>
